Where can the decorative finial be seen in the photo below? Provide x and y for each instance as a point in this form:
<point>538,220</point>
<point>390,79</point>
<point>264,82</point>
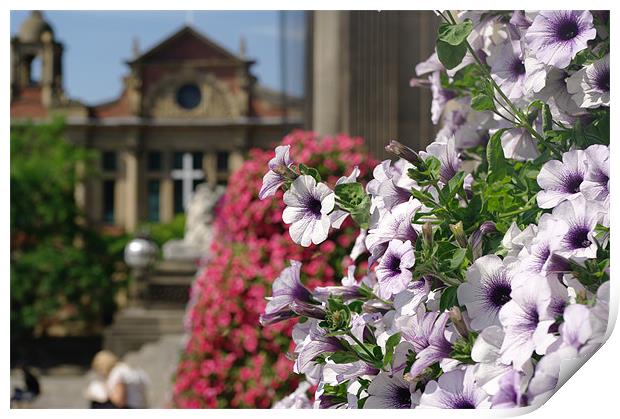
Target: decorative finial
<point>242,47</point>
<point>135,47</point>
<point>189,18</point>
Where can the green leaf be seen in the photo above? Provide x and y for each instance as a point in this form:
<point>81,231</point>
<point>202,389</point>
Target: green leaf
<point>311,171</point>
<point>448,298</point>
<point>450,55</point>
<point>458,258</point>
<point>361,213</point>
<point>498,165</point>
<point>455,34</point>
<point>390,345</point>
<point>349,195</point>
<point>343,357</point>
<point>482,102</point>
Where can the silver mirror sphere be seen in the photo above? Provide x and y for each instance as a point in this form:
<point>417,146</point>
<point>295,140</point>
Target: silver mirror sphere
<point>140,253</point>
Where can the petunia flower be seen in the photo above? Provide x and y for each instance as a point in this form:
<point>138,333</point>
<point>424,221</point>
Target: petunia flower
<point>338,216</point>
<point>388,391</point>
<point>395,224</point>
<point>577,220</point>
<point>556,36</point>
<point>526,320</point>
<point>455,390</point>
<point>315,344</point>
<point>487,289</point>
<point>595,185</point>
<point>514,240</point>
<point>535,256</point>
<point>273,179</point>
<point>518,144</point>
<point>555,93</point>
<point>509,70</point>
<point>393,271</point>
<point>440,96</point>
<point>431,345</point>
<point>286,289</point>
<point>307,210</point>
<point>561,180</point>
<point>589,86</point>
<point>445,151</point>
<point>511,392</point>
<point>297,399</point>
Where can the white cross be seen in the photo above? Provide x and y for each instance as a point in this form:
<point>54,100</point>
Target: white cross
<point>187,174</point>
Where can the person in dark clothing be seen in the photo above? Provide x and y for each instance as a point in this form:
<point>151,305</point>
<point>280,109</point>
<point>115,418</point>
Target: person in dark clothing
<point>30,391</point>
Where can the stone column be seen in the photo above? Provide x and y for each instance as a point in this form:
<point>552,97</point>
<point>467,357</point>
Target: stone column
<point>330,71</point>
<point>47,70</point>
<point>209,167</point>
<point>131,189</point>
<point>166,192</point>
<point>235,160</point>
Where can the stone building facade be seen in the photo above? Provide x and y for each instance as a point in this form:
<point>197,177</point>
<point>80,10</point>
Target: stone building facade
<point>188,112</point>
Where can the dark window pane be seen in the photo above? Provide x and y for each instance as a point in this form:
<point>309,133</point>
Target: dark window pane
<point>189,96</point>
<point>108,161</point>
<point>154,161</point>
<point>108,201</point>
<point>197,161</point>
<point>222,161</point>
<point>195,183</point>
<point>153,200</point>
<point>177,161</point>
<point>178,196</point>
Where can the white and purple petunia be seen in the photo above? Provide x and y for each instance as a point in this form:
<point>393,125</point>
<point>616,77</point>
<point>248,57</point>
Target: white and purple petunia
<point>455,390</point>
<point>511,392</point>
<point>509,70</point>
<point>395,224</point>
<point>589,86</point>
<point>444,150</point>
<point>595,185</point>
<point>518,144</point>
<point>556,36</point>
<point>308,205</point>
<point>430,343</point>
<point>487,289</point>
<point>526,320</point>
<point>273,179</point>
<point>577,220</point>
<point>286,289</point>
<point>338,216</point>
<point>561,180</point>
<point>393,271</point>
<point>535,256</point>
<point>391,391</point>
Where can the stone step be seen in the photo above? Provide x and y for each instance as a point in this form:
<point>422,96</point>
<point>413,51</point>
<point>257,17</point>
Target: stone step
<point>171,266</point>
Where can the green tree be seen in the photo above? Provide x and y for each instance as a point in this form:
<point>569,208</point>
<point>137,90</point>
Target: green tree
<point>60,269</point>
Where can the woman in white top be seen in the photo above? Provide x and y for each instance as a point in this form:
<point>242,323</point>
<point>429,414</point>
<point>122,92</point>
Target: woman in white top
<point>125,386</point>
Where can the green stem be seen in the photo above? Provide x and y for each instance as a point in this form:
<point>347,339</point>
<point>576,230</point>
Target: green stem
<point>364,348</point>
<point>523,122</point>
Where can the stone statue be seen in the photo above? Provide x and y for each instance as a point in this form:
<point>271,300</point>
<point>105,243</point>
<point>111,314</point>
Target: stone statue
<point>198,225</point>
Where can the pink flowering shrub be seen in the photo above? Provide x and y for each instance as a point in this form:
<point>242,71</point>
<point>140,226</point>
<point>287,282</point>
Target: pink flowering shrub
<point>229,359</point>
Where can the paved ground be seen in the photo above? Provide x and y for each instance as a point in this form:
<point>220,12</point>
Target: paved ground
<point>63,387</point>
<point>60,388</point>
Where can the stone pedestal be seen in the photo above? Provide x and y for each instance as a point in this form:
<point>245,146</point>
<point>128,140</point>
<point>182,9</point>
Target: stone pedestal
<point>160,312</point>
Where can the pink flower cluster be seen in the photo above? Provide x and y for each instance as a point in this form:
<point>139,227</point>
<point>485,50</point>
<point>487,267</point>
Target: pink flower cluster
<point>229,360</point>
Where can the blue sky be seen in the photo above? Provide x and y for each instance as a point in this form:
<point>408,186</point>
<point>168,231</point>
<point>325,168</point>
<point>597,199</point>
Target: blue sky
<point>97,43</point>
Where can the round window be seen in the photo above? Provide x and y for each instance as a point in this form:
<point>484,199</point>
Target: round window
<point>188,96</point>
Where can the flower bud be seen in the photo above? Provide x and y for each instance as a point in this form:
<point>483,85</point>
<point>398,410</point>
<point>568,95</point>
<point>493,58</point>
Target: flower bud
<point>457,319</point>
<point>475,243</point>
<point>313,311</point>
<point>459,233</point>
<point>427,233</point>
<point>285,172</point>
<point>404,152</point>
